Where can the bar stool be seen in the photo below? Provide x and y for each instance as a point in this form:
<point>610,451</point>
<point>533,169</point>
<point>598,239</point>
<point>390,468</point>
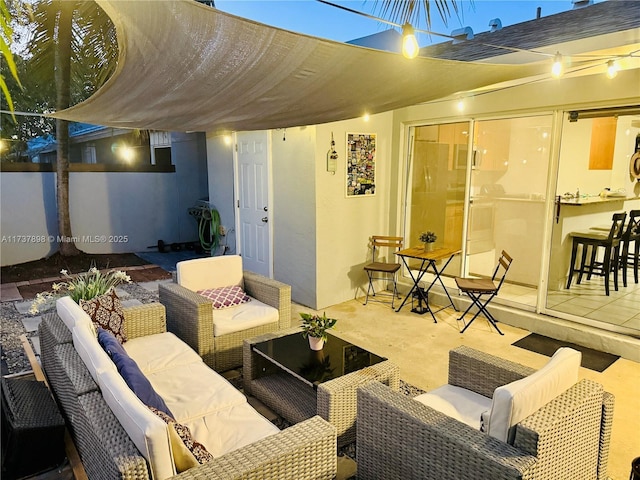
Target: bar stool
<point>594,239</point>
<point>631,234</point>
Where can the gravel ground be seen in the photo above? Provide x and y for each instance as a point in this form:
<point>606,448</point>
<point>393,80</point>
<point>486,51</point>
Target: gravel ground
<point>13,358</point>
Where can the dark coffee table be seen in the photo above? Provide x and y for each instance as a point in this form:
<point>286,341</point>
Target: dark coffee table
<point>297,383</point>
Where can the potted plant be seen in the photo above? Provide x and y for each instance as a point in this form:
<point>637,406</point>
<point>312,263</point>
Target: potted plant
<point>79,287</point>
<point>315,328</point>
<point>428,238</point>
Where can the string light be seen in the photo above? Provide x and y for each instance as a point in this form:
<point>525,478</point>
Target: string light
<point>556,68</point>
<point>409,43</point>
<point>612,68</point>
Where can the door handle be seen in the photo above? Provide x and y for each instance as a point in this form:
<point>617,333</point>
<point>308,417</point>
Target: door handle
<point>265,219</point>
<point>265,209</point>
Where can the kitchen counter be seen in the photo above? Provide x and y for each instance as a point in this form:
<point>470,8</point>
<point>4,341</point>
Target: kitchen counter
<point>578,202</point>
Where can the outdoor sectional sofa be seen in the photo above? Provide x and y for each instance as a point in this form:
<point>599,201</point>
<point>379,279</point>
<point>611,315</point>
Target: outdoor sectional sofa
<point>117,436</point>
<point>567,437</point>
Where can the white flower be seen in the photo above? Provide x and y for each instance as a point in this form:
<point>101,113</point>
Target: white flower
<point>64,272</point>
<point>56,287</point>
<point>93,270</point>
<point>120,275</point>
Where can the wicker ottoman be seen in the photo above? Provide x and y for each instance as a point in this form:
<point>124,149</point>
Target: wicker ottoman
<point>32,428</point>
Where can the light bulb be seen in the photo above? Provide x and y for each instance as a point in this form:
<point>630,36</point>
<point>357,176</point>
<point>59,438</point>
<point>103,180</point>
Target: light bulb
<point>409,43</point>
<point>126,153</point>
<point>366,117</point>
<point>227,139</point>
<point>460,105</point>
<point>556,69</point>
<point>612,68</point>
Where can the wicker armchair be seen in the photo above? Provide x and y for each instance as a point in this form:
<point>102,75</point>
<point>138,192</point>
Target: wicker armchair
<point>401,438</point>
<point>191,317</point>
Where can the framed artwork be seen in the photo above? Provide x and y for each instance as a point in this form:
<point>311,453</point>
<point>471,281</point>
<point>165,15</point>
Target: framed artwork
<point>361,164</point>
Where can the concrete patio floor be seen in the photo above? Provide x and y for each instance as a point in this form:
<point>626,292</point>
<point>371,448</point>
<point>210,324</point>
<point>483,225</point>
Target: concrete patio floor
<point>420,348</point>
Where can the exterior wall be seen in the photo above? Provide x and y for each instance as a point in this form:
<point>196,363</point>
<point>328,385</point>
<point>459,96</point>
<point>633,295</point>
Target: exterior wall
<point>111,212</point>
<point>296,237</point>
<point>28,207</point>
<point>220,171</point>
<point>345,224</point>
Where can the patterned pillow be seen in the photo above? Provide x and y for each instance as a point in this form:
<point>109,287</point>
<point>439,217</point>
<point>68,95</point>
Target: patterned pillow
<point>187,452</point>
<point>106,312</point>
<point>225,297</point>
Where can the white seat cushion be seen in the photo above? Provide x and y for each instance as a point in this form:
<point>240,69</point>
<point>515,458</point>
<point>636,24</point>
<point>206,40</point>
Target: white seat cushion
<point>192,391</point>
<point>210,272</point>
<point>154,353</point>
<point>229,429</point>
<point>241,317</point>
<point>459,403</point>
<point>515,401</point>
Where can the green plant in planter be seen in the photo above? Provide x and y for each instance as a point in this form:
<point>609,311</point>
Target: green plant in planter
<point>428,237</point>
<point>316,325</point>
<point>84,286</point>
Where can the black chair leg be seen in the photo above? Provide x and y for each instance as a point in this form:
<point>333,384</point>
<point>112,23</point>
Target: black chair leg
<point>624,260</point>
<point>607,270</point>
<point>636,261</point>
<point>369,289</point>
<point>583,263</point>
<point>482,308</point>
<point>574,251</point>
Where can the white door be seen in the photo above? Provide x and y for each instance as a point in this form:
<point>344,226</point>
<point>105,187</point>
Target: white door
<point>252,173</point>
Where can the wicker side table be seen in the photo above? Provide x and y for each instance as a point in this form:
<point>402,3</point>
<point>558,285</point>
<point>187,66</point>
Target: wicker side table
<point>32,428</point>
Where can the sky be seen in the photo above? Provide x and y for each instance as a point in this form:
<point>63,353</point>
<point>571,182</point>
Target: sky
<point>313,18</point>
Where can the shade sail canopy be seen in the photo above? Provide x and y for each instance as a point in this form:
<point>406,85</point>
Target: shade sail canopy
<point>184,66</point>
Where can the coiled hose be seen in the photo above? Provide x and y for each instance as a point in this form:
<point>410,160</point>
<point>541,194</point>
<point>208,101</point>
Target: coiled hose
<point>210,220</point>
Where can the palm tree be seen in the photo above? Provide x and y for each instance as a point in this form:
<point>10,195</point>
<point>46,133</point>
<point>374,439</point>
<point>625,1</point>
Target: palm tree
<point>74,46</point>
<point>413,11</point>
<point>5,46</point>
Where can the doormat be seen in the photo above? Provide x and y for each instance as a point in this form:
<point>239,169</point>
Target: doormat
<point>591,359</point>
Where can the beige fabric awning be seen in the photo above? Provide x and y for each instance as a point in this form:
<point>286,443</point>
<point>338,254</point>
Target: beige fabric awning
<point>184,66</point>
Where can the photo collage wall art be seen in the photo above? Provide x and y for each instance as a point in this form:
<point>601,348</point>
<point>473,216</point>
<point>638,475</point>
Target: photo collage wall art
<point>361,164</point>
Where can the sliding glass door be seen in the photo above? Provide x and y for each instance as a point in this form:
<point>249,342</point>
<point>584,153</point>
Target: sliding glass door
<point>497,171</point>
<point>510,167</point>
<point>436,187</point>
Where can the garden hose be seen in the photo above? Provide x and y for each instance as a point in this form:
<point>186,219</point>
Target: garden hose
<point>210,220</point>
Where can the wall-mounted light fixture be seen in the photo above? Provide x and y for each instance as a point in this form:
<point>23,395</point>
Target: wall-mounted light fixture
<point>612,68</point>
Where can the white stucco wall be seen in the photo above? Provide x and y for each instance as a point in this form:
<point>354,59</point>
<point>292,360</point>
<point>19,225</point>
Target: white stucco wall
<point>111,212</point>
<point>294,213</point>
<point>221,187</point>
<point>345,224</point>
<point>28,207</point>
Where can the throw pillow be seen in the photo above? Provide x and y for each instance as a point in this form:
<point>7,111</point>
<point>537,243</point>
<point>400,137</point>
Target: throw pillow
<point>187,452</point>
<point>106,312</point>
<point>131,373</point>
<point>225,297</point>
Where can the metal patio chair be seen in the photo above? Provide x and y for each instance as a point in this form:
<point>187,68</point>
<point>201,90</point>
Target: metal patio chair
<point>476,288</point>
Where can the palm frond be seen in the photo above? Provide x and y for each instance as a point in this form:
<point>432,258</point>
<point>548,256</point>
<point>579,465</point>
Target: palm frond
<point>415,11</point>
